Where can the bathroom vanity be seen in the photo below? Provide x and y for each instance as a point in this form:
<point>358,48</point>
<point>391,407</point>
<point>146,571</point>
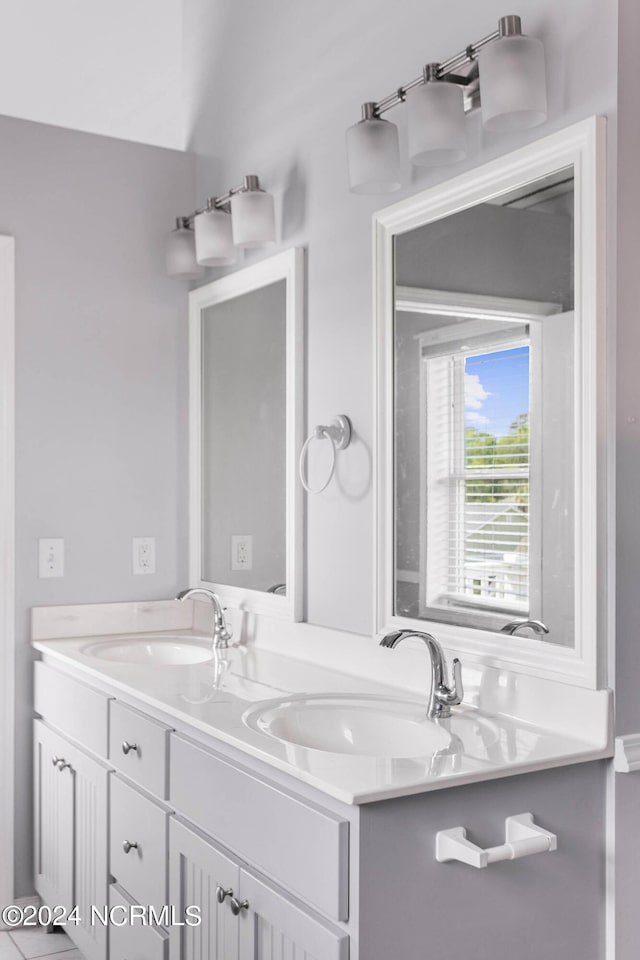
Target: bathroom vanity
<point>163,785</point>
<point>306,811</point>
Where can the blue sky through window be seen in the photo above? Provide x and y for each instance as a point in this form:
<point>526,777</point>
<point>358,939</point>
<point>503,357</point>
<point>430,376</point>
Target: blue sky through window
<point>496,389</point>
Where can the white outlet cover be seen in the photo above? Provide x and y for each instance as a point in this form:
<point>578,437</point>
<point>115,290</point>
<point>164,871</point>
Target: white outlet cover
<point>242,551</point>
<point>51,558</point>
<point>144,555</point>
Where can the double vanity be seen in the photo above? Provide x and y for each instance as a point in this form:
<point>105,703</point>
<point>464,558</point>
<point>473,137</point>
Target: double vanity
<point>294,805</point>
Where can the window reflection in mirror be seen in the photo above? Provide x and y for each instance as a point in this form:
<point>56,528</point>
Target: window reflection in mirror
<point>484,414</point>
<point>243,353</point>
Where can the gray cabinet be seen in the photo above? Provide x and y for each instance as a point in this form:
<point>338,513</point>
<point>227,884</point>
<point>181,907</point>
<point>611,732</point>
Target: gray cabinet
<point>548,905</point>
<point>71,835</point>
<point>310,878</point>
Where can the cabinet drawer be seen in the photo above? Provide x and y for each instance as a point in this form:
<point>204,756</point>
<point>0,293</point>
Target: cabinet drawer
<point>72,706</point>
<point>302,847</point>
<point>132,939</point>
<point>135,819</point>
<point>138,747</point>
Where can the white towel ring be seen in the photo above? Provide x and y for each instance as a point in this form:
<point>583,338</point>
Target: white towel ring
<point>339,435</point>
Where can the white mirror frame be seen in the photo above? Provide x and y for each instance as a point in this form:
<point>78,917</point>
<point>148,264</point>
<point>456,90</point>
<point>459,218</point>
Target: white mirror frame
<point>288,266</point>
<point>583,147</point>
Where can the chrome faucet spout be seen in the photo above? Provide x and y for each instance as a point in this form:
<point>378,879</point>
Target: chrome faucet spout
<point>221,633</point>
<point>441,696</point>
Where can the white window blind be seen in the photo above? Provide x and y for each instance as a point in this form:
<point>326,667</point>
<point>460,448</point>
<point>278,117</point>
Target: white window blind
<point>477,478</point>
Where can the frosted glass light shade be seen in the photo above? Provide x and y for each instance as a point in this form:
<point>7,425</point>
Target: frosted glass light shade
<point>214,240</point>
<point>253,218</point>
<point>373,156</point>
<point>513,86</point>
<point>180,254</point>
<point>435,113</point>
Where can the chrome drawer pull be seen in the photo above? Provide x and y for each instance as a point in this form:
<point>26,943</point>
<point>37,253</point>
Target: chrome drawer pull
<point>128,845</point>
<point>56,760</point>
<point>61,763</point>
<point>238,905</point>
<point>221,893</point>
<point>128,747</point>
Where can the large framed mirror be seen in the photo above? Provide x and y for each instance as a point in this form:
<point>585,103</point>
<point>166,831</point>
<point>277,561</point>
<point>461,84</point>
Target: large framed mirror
<point>490,386</point>
<point>245,373</point>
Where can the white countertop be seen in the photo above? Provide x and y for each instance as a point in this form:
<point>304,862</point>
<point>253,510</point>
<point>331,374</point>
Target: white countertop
<point>213,698</point>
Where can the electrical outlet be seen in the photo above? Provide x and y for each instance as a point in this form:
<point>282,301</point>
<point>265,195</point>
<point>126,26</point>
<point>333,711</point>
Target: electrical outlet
<point>51,558</point>
<point>242,552</point>
<point>144,555</point>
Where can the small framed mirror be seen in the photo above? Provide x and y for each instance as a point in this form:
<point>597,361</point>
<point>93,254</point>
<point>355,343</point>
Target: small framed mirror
<point>490,377</point>
<point>245,374</point>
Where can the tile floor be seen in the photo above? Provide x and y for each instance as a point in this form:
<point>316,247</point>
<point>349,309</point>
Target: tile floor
<point>27,943</point>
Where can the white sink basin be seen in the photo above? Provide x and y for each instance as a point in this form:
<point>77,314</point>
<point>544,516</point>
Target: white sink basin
<point>360,726</point>
<point>151,650</point>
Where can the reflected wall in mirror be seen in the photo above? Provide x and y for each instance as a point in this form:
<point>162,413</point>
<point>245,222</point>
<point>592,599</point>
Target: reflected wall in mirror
<point>244,422</point>
<point>246,344</point>
<point>488,315</point>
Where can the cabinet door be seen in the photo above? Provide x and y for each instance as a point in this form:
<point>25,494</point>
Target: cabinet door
<point>53,809</point>
<point>71,835</point>
<point>196,869</point>
<point>90,853</point>
<point>273,927</point>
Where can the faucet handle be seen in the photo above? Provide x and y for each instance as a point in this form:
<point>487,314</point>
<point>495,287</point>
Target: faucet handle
<point>457,691</point>
<point>454,694</point>
<point>226,632</point>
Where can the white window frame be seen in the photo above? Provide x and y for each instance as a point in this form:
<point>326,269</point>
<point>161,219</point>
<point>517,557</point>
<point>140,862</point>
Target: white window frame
<point>581,146</point>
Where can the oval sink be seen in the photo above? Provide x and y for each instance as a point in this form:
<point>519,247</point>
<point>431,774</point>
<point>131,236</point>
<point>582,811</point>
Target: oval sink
<point>150,650</point>
<point>361,726</point>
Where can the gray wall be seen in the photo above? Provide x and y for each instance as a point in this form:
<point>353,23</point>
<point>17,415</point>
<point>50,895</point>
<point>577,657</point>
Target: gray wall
<point>296,74</point>
<point>244,429</point>
<point>100,379</point>
<point>493,251</point>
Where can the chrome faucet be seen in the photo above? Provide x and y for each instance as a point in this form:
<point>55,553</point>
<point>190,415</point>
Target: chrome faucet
<point>441,697</point>
<point>221,633</point>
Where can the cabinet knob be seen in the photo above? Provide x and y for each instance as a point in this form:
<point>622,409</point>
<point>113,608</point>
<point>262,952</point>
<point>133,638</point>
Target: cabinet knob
<point>56,760</point>
<point>221,893</point>
<point>128,845</point>
<point>128,747</point>
<point>238,905</point>
<point>61,763</point>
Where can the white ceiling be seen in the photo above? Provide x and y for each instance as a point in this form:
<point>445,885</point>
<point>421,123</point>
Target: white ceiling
<point>112,67</point>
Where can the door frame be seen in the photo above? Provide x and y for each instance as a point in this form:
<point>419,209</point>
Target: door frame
<point>7,567</point>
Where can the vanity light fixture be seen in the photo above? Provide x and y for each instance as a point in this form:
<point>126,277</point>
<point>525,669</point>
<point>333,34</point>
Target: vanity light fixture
<point>244,216</point>
<point>503,73</point>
